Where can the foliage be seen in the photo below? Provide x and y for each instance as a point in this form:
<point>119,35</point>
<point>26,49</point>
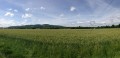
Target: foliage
<point>37,26</point>
<point>47,26</point>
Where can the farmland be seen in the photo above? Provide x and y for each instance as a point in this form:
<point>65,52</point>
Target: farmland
<point>60,43</point>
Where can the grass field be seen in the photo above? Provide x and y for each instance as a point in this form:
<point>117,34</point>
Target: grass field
<point>60,43</point>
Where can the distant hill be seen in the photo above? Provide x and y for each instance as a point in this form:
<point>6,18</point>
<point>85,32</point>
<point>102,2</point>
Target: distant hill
<point>48,26</point>
<point>37,26</point>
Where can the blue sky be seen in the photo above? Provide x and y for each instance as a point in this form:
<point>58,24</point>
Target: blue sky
<point>59,12</point>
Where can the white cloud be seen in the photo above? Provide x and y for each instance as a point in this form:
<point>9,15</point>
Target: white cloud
<point>79,22</point>
<point>9,14</point>
<point>26,15</point>
<point>15,10</point>
<point>10,9</point>
<point>6,22</point>
<point>27,9</point>
<point>72,8</point>
<point>42,8</point>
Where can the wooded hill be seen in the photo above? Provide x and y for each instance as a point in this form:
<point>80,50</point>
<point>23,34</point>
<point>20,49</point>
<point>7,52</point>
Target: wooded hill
<point>47,26</point>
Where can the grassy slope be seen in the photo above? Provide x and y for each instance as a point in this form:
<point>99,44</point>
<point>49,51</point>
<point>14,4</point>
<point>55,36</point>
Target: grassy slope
<point>62,43</point>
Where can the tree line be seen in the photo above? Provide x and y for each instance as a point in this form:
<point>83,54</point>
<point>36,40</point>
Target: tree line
<point>47,26</point>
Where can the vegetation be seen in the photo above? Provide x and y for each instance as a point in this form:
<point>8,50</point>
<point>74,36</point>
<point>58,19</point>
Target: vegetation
<point>47,26</point>
<point>37,26</point>
<point>59,43</point>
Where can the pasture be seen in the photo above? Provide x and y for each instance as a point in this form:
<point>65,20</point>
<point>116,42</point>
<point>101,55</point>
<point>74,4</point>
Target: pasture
<point>60,43</point>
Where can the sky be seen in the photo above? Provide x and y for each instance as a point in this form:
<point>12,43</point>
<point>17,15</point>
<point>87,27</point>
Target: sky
<point>59,12</point>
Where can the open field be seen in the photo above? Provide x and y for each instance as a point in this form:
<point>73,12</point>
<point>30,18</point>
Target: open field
<point>60,43</point>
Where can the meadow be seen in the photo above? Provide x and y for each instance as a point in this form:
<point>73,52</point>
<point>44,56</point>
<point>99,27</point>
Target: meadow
<point>60,43</point>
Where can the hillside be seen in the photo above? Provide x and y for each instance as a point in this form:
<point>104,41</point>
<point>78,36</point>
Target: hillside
<point>48,26</point>
<point>37,26</point>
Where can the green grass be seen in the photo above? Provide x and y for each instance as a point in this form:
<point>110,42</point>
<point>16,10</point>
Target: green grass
<point>60,43</point>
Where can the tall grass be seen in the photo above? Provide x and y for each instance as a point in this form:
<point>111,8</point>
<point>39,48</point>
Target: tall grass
<point>61,43</point>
